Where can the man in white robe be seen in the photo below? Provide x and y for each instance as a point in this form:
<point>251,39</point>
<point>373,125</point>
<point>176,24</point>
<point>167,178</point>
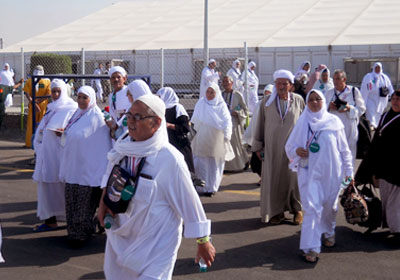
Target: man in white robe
<point>143,242</point>
<point>276,117</point>
<point>235,73</point>
<point>208,77</point>
<point>97,82</point>
<point>376,88</point>
<point>118,100</point>
<point>349,107</point>
<point>252,87</point>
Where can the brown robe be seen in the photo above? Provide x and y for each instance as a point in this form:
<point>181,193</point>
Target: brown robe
<point>279,189</point>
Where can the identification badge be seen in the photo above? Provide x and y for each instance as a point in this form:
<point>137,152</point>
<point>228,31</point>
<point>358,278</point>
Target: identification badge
<point>63,139</point>
<point>314,147</point>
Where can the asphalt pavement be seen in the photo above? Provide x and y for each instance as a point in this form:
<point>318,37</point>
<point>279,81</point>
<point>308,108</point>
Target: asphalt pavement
<point>246,248</point>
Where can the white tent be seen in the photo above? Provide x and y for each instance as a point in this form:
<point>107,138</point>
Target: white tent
<point>178,24</point>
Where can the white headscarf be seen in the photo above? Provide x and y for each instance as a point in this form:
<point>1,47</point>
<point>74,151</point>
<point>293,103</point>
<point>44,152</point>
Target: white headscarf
<point>212,60</point>
<point>269,87</point>
<point>317,121</point>
<point>117,69</point>
<point>212,112</point>
<point>64,101</point>
<point>279,74</point>
<point>251,64</point>
<point>89,91</point>
<point>138,88</point>
<point>301,70</point>
<point>170,98</point>
<point>234,64</point>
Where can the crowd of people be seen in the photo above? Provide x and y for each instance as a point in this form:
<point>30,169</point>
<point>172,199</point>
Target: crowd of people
<point>138,169</point>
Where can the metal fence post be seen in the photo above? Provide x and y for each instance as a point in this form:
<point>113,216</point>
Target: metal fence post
<point>162,69</point>
<point>83,64</point>
<point>22,88</point>
<point>206,52</point>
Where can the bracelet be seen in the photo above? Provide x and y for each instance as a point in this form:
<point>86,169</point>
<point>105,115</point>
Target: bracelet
<point>203,240</point>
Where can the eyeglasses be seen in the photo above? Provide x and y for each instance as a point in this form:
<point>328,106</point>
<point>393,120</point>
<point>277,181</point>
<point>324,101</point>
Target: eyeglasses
<point>137,117</point>
<point>313,100</point>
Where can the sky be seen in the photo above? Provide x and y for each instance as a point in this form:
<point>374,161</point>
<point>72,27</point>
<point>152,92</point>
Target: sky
<point>27,18</point>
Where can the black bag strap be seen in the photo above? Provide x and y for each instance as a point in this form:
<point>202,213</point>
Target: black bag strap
<point>139,170</point>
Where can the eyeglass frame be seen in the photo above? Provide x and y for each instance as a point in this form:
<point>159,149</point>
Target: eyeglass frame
<point>137,117</point>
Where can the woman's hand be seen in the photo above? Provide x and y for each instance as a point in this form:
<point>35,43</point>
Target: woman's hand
<point>302,152</point>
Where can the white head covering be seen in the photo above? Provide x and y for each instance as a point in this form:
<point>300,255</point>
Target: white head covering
<point>212,112</point>
<point>377,75</point>
<point>251,64</point>
<point>212,60</point>
<point>38,70</point>
<point>89,91</point>
<point>168,95</point>
<point>235,62</point>
<point>6,76</point>
<point>64,101</point>
<point>302,66</point>
<point>117,69</point>
<point>269,87</point>
<point>138,88</point>
<point>317,121</point>
<point>6,64</point>
<point>154,103</point>
<point>278,74</point>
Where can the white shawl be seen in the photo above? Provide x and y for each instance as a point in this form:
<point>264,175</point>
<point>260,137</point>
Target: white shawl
<point>171,99</point>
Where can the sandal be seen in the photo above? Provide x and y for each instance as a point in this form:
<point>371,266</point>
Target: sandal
<point>311,257</point>
<point>44,227</point>
<point>329,242</point>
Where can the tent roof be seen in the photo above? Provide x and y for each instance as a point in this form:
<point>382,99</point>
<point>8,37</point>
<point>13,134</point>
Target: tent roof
<point>178,24</point>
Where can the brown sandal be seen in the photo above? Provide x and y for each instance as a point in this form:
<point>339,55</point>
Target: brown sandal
<point>329,242</point>
<point>311,257</point>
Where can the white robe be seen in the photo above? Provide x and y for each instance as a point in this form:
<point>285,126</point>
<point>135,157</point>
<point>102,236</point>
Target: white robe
<point>208,77</point>
<point>6,78</point>
<point>97,83</point>
<point>84,155</point>
<point>319,196</point>
<point>51,198</point>
<point>1,241</point>
<point>122,104</point>
<point>323,87</point>
<point>252,90</point>
<point>144,241</point>
<point>237,82</point>
<point>375,104</point>
<point>350,118</point>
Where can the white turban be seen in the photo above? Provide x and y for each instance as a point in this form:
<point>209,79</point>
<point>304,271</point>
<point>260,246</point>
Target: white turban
<point>235,62</point>
<point>285,74</point>
<point>138,88</point>
<point>117,69</point>
<point>212,60</point>
<point>154,103</point>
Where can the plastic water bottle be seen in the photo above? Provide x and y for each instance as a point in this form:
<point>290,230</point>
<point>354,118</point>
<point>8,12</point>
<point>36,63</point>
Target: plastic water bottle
<point>108,221</point>
<point>346,183</point>
<point>107,115</point>
<point>202,265</point>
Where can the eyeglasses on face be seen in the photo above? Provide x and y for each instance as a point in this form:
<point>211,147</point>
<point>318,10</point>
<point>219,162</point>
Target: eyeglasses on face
<point>137,117</point>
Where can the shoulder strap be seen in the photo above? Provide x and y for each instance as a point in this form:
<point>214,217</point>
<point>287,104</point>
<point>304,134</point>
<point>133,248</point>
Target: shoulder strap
<point>354,96</point>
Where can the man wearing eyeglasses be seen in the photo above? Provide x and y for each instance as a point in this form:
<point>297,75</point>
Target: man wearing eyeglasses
<point>143,241</point>
<point>276,117</point>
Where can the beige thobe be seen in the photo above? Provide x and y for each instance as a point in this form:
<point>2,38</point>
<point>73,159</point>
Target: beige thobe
<point>236,103</point>
<point>279,189</point>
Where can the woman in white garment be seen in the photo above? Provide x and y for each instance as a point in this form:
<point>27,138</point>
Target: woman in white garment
<point>51,196</point>
<point>318,152</point>
<point>252,86</point>
<point>86,143</point>
<point>325,82</point>
<point>304,68</point>
<point>235,73</point>
<point>376,88</point>
<point>211,145</point>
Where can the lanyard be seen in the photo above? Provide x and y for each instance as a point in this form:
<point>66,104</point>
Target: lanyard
<point>114,100</point>
<point>49,115</point>
<point>74,120</point>
<point>314,136</point>
<point>287,107</point>
<point>389,122</point>
<point>230,99</point>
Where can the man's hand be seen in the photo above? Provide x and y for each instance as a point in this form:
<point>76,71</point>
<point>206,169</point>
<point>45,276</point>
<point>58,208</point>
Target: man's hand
<point>111,124</point>
<point>332,106</point>
<point>234,114</point>
<point>345,109</point>
<point>302,152</point>
<point>205,251</point>
<point>258,153</point>
<point>103,210</point>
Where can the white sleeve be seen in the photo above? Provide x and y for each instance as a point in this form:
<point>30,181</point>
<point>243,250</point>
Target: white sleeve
<point>359,108</point>
<point>185,201</point>
<point>364,89</point>
<point>345,153</point>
